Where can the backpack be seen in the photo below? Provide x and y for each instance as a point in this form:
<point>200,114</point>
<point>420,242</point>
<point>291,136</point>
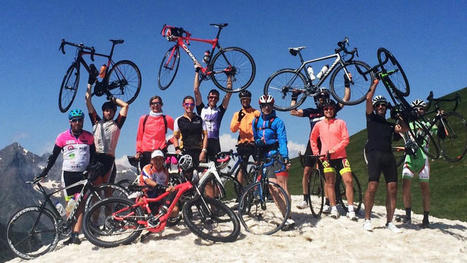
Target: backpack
<point>146,118</point>
<point>268,126</point>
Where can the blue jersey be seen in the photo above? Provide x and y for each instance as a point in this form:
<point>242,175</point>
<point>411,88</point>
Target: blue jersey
<point>268,133</point>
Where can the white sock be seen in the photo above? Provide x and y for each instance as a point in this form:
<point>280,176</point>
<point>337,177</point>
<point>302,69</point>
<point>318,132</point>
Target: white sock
<point>350,208</point>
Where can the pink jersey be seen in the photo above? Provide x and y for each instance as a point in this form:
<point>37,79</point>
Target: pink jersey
<point>76,150</point>
<point>334,137</point>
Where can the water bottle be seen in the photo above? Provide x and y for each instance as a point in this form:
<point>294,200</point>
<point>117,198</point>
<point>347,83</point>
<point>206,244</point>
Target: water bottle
<point>102,71</point>
<point>322,71</point>
<point>309,69</point>
<point>71,204</point>
<point>60,209</point>
<point>207,55</point>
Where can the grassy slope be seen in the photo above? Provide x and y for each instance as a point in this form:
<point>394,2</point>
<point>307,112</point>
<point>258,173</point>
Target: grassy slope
<point>448,180</point>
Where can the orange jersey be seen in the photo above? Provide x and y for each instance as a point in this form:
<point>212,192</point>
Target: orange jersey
<point>244,126</point>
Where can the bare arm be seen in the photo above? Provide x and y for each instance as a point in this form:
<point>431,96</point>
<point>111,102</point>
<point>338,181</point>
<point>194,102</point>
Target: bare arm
<point>225,101</point>
<point>198,98</point>
<point>295,112</point>
<point>122,104</point>
<point>88,100</point>
<point>369,97</point>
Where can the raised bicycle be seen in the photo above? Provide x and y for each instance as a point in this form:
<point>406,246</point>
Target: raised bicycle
<point>231,60</point>
<point>36,230</point>
<point>120,79</point>
<point>284,83</point>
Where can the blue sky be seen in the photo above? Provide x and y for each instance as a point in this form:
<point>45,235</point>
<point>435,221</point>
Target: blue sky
<point>427,37</point>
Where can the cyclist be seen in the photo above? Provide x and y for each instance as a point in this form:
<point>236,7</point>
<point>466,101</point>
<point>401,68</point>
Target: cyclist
<point>334,138</point>
<point>314,115</point>
<point>211,114</point>
<point>241,122</point>
<point>271,139</point>
<point>156,176</point>
<point>152,131</point>
<point>417,164</point>
<point>106,130</point>
<point>380,156</point>
<point>190,133</point>
<point>78,150</point>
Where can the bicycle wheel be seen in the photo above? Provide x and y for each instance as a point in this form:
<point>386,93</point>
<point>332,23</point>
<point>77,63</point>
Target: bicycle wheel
<point>239,62</point>
<point>32,232</point>
<point>396,74</point>
<point>210,219</point>
<point>281,84</point>
<point>124,81</point>
<point>169,67</point>
<point>452,136</point>
<point>120,227</point>
<point>359,86</point>
<point>316,191</point>
<point>422,131</point>
<point>260,215</point>
<point>104,191</point>
<point>69,87</point>
<point>341,197</point>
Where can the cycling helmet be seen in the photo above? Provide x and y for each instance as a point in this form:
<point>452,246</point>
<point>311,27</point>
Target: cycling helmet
<point>109,105</point>
<point>244,94</point>
<point>379,99</point>
<point>418,104</point>
<point>76,114</point>
<point>266,99</point>
<point>185,162</point>
<point>322,93</point>
<point>328,102</point>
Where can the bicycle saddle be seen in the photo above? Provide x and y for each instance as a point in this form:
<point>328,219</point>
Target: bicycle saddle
<point>294,50</point>
<point>118,41</point>
<point>219,25</point>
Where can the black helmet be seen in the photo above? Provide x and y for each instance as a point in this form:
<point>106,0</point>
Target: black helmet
<point>328,102</point>
<point>244,94</point>
<point>109,105</point>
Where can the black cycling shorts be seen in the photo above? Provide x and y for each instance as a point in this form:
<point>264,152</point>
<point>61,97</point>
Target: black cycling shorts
<point>245,150</point>
<point>381,162</point>
<point>69,178</point>
<point>106,160</point>
<point>214,147</point>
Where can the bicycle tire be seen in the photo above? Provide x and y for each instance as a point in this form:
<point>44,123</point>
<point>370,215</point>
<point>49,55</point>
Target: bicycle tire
<point>242,64</point>
<point>217,223</point>
<point>357,193</point>
<point>98,227</point>
<point>359,88</point>
<point>69,87</point>
<point>388,64</point>
<point>259,215</point>
<point>453,136</point>
<point>22,230</point>
<point>423,137</point>
<point>248,177</point>
<point>316,192</point>
<point>104,191</point>
<point>281,84</point>
<point>124,81</point>
<point>167,72</point>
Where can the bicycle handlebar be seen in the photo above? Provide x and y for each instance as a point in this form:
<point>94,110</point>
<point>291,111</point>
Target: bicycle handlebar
<point>431,100</point>
<point>81,46</point>
<point>343,48</point>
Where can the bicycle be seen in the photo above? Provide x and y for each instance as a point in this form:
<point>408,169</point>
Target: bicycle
<point>283,83</point>
<point>36,230</point>
<point>315,186</point>
<point>264,206</point>
<point>232,60</point>
<point>206,217</point>
<point>123,80</point>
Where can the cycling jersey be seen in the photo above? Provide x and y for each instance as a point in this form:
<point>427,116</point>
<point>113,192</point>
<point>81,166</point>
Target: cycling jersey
<point>150,172</point>
<point>334,137</point>
<point>417,162</point>
<point>212,117</point>
<point>106,133</point>
<point>270,134</point>
<point>76,150</point>
<point>245,134</point>
<point>152,133</point>
<point>315,115</point>
<point>380,133</point>
<point>190,132</point>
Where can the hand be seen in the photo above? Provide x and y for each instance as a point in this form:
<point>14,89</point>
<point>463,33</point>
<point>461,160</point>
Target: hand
<point>347,80</point>
<point>111,97</point>
<point>198,67</point>
<point>170,189</point>
<point>138,155</point>
<point>93,73</point>
<point>295,94</point>
<point>202,156</point>
<point>287,163</point>
<point>241,114</point>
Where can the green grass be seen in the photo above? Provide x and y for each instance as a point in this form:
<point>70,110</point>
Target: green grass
<point>448,181</point>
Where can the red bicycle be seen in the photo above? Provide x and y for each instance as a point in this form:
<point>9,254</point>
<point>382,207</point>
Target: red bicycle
<point>232,60</point>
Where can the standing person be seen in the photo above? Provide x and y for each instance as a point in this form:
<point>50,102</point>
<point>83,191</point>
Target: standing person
<point>78,150</point>
<point>417,164</point>
<point>270,139</point>
<point>314,115</point>
<point>152,131</point>
<point>380,156</point>
<point>334,138</point>
<point>241,123</point>
<point>106,130</point>
<point>211,114</point>
<point>190,133</point>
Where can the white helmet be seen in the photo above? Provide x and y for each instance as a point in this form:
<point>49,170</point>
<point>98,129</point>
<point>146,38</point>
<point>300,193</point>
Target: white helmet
<point>157,153</point>
<point>379,99</point>
<point>266,99</point>
<point>418,104</point>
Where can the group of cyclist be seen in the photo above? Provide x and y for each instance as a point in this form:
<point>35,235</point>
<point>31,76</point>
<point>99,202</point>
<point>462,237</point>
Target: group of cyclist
<point>260,134</point>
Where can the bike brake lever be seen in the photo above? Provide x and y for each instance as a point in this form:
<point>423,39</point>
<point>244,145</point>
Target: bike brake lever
<point>92,53</point>
<point>62,46</point>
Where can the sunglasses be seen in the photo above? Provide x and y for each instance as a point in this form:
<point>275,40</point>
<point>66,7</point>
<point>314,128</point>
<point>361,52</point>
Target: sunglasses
<point>328,108</point>
<point>188,104</point>
<point>213,97</point>
<point>265,105</point>
<point>380,104</point>
<point>156,103</point>
<point>77,120</point>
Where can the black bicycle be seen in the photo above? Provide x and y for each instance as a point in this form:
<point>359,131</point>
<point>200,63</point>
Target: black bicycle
<point>36,230</point>
<point>121,79</point>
